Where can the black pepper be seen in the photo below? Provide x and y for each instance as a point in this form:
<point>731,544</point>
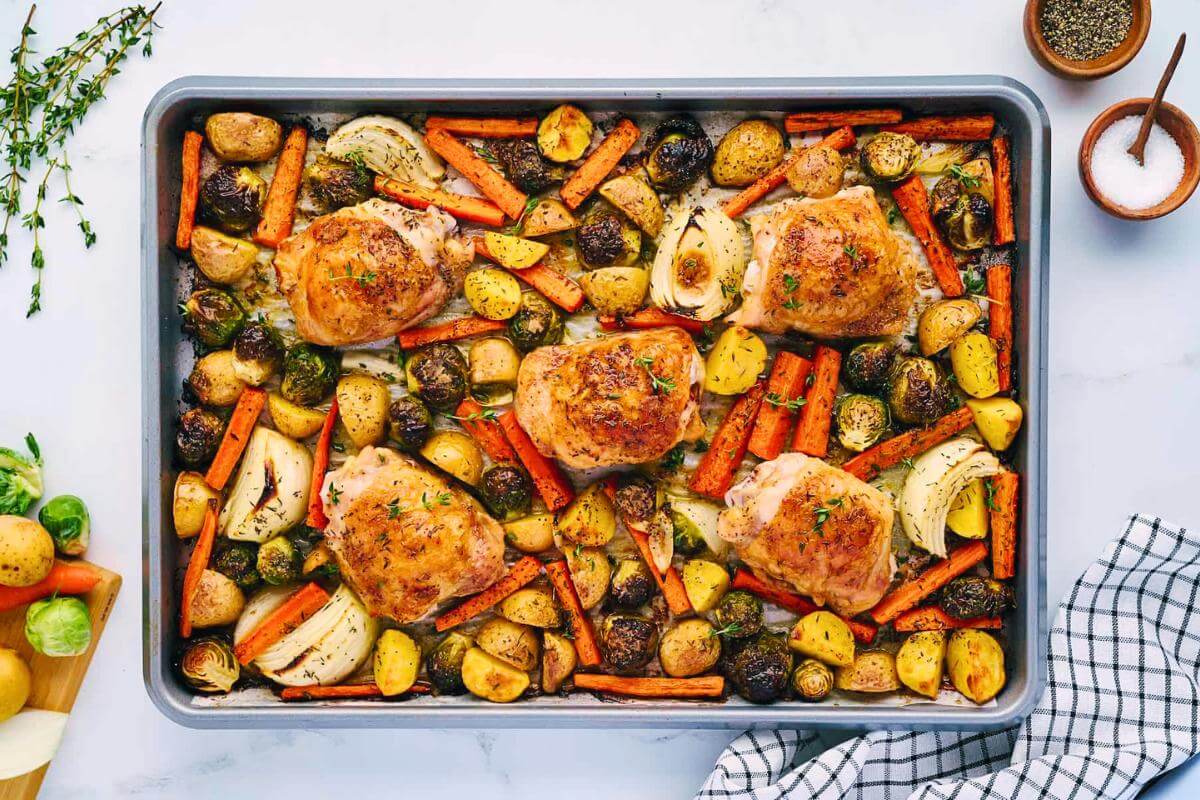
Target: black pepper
<point>1084,30</point>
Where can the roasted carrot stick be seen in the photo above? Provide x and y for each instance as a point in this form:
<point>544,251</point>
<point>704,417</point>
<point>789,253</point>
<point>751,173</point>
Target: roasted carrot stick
<point>1000,319</point>
<point>916,589</point>
<point>841,139</point>
<point>345,690</point>
<point>785,391</point>
<point>460,206</point>
<point>934,618</point>
<point>237,434</point>
<point>316,506</point>
<point>518,575</point>
<point>485,430</point>
<point>279,211</point>
<point>485,127</point>
<point>871,462</point>
<point>797,604</point>
<point>599,163</point>
<point>479,172</point>
<point>462,328</point>
<point>1004,524</point>
<point>197,563</point>
<point>806,121</point>
<point>651,317</point>
<point>714,475</point>
<point>670,583</point>
<point>954,128</point>
<point>190,193</point>
<point>307,601</point>
<point>706,686</point>
<point>577,620</point>
<point>1003,229</point>
<point>65,577</point>
<point>913,201</point>
<point>554,487</point>
<point>816,415</point>
<point>553,285</point>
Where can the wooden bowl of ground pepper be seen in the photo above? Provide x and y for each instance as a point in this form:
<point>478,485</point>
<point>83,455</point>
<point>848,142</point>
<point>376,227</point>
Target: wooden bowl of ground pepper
<point>1085,39</point>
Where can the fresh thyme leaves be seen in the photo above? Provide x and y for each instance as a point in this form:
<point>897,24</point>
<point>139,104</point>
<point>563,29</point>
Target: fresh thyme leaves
<point>968,180</point>
<point>822,513</point>
<point>358,161</point>
<point>439,499</point>
<point>394,509</point>
<point>335,494</point>
<point>659,385</point>
<point>518,226</point>
<point>790,284</point>
<point>892,214</point>
<point>990,496</point>
<point>907,462</point>
<point>31,444</point>
<point>729,630</point>
<point>974,282</point>
<point>362,279</point>
<point>673,460</point>
<point>851,252</point>
<point>794,404</point>
<point>488,414</point>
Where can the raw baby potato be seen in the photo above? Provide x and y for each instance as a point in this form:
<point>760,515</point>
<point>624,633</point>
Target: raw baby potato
<point>532,606</point>
<point>293,420</point>
<point>558,660</point>
<point>26,551</point>
<point>872,671</point>
<point>689,648</point>
<point>920,662</point>
<point>824,636</point>
<point>705,583</point>
<point>363,407</point>
<point>735,361</point>
<point>975,662</point>
<point>747,152</point>
<point>397,660</point>
<point>615,290</point>
<point>190,503</point>
<point>532,534</point>
<point>15,682</point>
<point>510,642</point>
<point>943,322</point>
<point>998,420</point>
<point>243,138</point>
<point>488,677</point>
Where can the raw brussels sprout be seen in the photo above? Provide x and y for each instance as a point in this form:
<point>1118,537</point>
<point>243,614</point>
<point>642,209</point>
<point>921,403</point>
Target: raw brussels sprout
<point>739,615</point>
<point>890,156</point>
<point>536,324</point>
<point>409,423</point>
<point>965,217</point>
<point>862,420</point>
<point>232,198</point>
<point>334,184</point>
<point>628,641</point>
<point>679,153</point>
<point>637,498</point>
<point>759,669</point>
<point>868,366</point>
<point>632,584</point>
<point>309,374</point>
<point>209,665</point>
<point>444,666</point>
<point>918,392</point>
<point>507,491</point>
<point>689,541</point>
<point>213,316</point>
<point>438,375</point>
<point>524,165</point>
<point>20,478</point>
<point>67,520</point>
<point>257,353</point>
<point>198,437</point>
<point>812,680</point>
<point>238,561</point>
<point>59,626</point>
<point>975,596</point>
<point>278,561</point>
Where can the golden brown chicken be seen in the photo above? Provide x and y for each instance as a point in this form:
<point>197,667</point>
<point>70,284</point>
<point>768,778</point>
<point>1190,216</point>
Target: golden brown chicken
<point>621,399</point>
<point>813,529</point>
<point>367,272</point>
<point>404,538</point>
<point>830,268</point>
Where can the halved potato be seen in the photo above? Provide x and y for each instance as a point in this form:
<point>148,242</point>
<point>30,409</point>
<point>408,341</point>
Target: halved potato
<point>944,321</point>
<point>998,420</point>
<point>590,572</point>
<point>564,134</point>
<point>397,661</point>
<point>190,503</point>
<point>532,606</point>
<point>973,356</point>
<point>975,661</point>
<point>968,515</point>
<point>532,534</point>
<point>615,290</point>
<point>548,216</point>
<point>457,453</point>
<point>590,519</point>
<point>510,642</point>
<point>363,408</point>
<point>222,258</point>
<point>214,380</point>
<point>705,583</point>
<point>293,420</point>
<point>488,677</point>
<point>558,661</point>
<point>735,361</point>
<point>824,636</point>
<point>920,662</point>
<point>512,251</point>
<point>637,200</point>
<point>492,293</point>
<point>872,671</point>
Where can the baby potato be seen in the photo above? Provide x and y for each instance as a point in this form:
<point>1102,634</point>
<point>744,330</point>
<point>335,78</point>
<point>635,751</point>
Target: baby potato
<point>615,290</point>
<point>397,661</point>
<point>973,357</point>
<point>590,572</point>
<point>218,601</point>
<point>998,420</point>
<point>968,515</point>
<point>872,671</point>
<point>214,380</point>
<point>457,453</point>
<point>363,408</point>
<point>824,636</point>
<point>920,662</point>
<point>748,151</point>
<point>564,134</point>
<point>944,321</point>
<point>492,293</point>
<point>190,503</point>
<point>239,137</point>
<point>510,642</point>
<point>637,200</point>
<point>26,551</point>
<point>222,258</point>
<point>488,677</point>
<point>735,361</point>
<point>558,661</point>
<point>689,648</point>
<point>817,171</point>
<point>293,420</point>
<point>975,661</point>
<point>513,251</point>
<point>590,519</point>
<point>532,534</point>
<point>533,606</point>
<point>548,216</point>
<point>705,583</point>
<point>15,682</point>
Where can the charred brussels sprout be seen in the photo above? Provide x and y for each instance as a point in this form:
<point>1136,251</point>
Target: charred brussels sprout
<point>890,156</point>
<point>965,217</point>
<point>918,391</point>
<point>739,615</point>
<point>536,324</point>
<point>309,374</point>
<point>444,666</point>
<point>409,423</point>
<point>209,665</point>
<point>869,364</point>
<point>334,184</point>
<point>689,541</point>
<point>812,680</point>
<point>679,153</point>
<point>637,498</point>
<point>600,241</point>
<point>198,437</point>
<point>628,641</point>
<point>524,165</point>
<point>507,491</point>
<point>257,353</point>
<point>278,561</point>
<point>632,584</point>
<point>437,374</point>
<point>975,596</point>
<point>862,420</point>
<point>213,316</point>
<point>238,561</point>
<point>759,670</point>
<point>232,198</point>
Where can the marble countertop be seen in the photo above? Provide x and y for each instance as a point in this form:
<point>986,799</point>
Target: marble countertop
<point>1124,336</point>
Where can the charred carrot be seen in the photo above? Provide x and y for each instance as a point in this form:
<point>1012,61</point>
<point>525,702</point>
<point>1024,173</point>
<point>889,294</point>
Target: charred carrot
<point>461,328</point>
<point>518,575</point>
<point>1004,524</point>
<point>669,583</point>
<point>316,506</point>
<point>677,688</point>
<point>871,462</point>
<point>785,393</point>
<point>485,430</point>
<point>1000,319</point>
<point>65,577</point>
<point>714,475</point>
<point>816,415</point>
<point>479,172</point>
<point>841,139</point>
<point>190,193</point>
<point>237,433</point>
<point>459,206</point>
<point>916,589</point>
<point>553,285</point>
<point>650,317</point>
<point>279,211</point>
<point>554,487</point>
<point>307,601</point>
<point>1003,229</point>
<point>577,620</point>
<point>345,690</point>
<point>958,128</point>
<point>599,163</point>
<point>913,201</point>
<point>935,618</point>
<point>197,563</point>
<point>807,121</point>
<point>797,604</point>
<point>485,127</point>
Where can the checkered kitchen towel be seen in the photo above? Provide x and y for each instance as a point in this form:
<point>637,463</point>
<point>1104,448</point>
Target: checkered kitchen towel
<point>1121,705</point>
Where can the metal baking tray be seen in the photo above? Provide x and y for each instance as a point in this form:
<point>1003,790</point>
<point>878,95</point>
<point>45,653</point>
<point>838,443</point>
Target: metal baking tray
<point>168,114</point>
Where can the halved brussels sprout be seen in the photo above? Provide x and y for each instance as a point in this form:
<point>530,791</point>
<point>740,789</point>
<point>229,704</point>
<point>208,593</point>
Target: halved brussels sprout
<point>536,324</point>
<point>632,584</point>
<point>213,316</point>
<point>237,561</point>
<point>739,615</point>
<point>862,420</point>
<point>918,392</point>
<point>278,561</point>
<point>199,436</point>
<point>679,152</point>
<point>334,184</point>
<point>637,498</point>
<point>209,665</point>
<point>444,666</point>
<point>975,596</point>
<point>257,353</point>
<point>310,373</point>
<point>890,156</point>
<point>699,265</point>
<point>812,680</point>
<point>438,375</point>
<point>232,198</point>
<point>963,215</point>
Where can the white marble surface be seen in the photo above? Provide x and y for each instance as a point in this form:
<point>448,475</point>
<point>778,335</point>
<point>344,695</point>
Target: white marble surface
<point>1124,349</point>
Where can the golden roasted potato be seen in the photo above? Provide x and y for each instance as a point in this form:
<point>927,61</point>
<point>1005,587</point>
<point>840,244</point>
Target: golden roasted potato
<point>615,290</point>
<point>748,151</point>
<point>532,534</point>
<point>15,682</point>
<point>817,171</point>
<point>968,515</point>
<point>510,642</point>
<point>590,519</point>
<point>218,601</point>
<point>637,200</point>
<point>26,551</point>
<point>548,216</point>
<point>189,503</point>
<point>564,134</point>
<point>488,677</point>
<point>944,321</point>
<point>533,606</point>
<point>590,572</point>
<point>317,558</point>
<point>920,662</point>
<point>363,408</point>
<point>689,648</point>
<point>397,661</point>
<point>872,671</point>
<point>493,293</point>
<point>214,380</point>
<point>705,583</point>
<point>513,251</point>
<point>824,636</point>
<point>973,357</point>
<point>734,362</point>
<point>243,138</point>
<point>493,362</point>
<point>222,258</point>
<point>998,420</point>
<point>293,420</point>
<point>975,662</point>
<point>457,453</point>
<point>558,660</point>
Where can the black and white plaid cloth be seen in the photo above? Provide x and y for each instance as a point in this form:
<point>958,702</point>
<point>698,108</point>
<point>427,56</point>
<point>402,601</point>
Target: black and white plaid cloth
<point>1121,704</point>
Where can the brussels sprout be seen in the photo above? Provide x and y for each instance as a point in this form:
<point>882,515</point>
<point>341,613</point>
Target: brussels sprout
<point>238,561</point>
<point>606,239</point>
<point>444,666</point>
<point>67,520</point>
<point>213,316</point>
<point>759,669</point>
<point>632,583</point>
<point>975,596</point>
<point>257,353</point>
<point>198,437</point>
<point>637,498</point>
<point>890,156</point>
<point>524,165</point>
<point>232,198</point>
<point>507,491</point>
<point>536,324</point>
<point>309,374</point>
<point>438,375</point>
<point>20,478</point>
<point>628,641</point>
<point>278,561</point>
<point>739,615</point>
<point>689,541</point>
<point>679,153</point>
<point>812,680</point>
<point>409,423</point>
<point>59,626</point>
<point>869,364</point>
<point>965,217</point>
<point>918,391</point>
<point>862,420</point>
<point>209,665</point>
<point>334,184</point>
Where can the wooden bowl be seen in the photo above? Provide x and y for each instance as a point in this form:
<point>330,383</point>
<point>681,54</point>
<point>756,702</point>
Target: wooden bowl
<point>1176,123</point>
<point>1106,64</point>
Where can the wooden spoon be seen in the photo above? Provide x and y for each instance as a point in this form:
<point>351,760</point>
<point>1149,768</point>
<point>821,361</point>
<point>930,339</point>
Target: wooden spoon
<point>1138,148</point>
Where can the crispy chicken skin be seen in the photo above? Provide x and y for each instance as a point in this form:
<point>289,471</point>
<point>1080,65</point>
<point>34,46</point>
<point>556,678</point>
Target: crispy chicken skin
<point>814,529</point>
<point>404,538</point>
<point>830,268</point>
<point>367,272</point>
<point>621,399</point>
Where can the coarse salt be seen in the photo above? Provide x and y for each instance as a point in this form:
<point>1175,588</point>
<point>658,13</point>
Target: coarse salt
<point>1119,177</point>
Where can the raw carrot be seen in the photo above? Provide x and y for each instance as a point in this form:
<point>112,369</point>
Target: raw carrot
<point>521,573</point>
<point>806,121</point>
<point>841,139</point>
<point>1004,524</point>
<point>577,620</point>
<point>279,211</point>
<point>345,690</point>
<point>555,286</point>
<point>479,172</point>
<point>599,163</point>
<point>190,193</point>
<point>461,328</point>
<point>316,506</point>
<point>934,618</point>
<point>797,604</point>
<point>913,201</point>
<point>460,206</point>
<point>553,486</point>
<point>714,475</point>
<point>650,317</point>
<point>485,127</point>
<point>670,583</point>
<point>197,563</point>
<point>916,589</point>
<point>1000,319</point>
<point>485,430</point>
<point>706,686</point>
<point>785,387</point>
<point>66,577</point>
<point>307,601</point>
<point>816,415</point>
<point>237,433</point>
<point>1003,229</point>
<point>871,462</point>
<point>954,128</point>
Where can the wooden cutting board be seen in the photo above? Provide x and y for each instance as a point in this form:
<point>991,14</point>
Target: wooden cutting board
<point>56,681</point>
